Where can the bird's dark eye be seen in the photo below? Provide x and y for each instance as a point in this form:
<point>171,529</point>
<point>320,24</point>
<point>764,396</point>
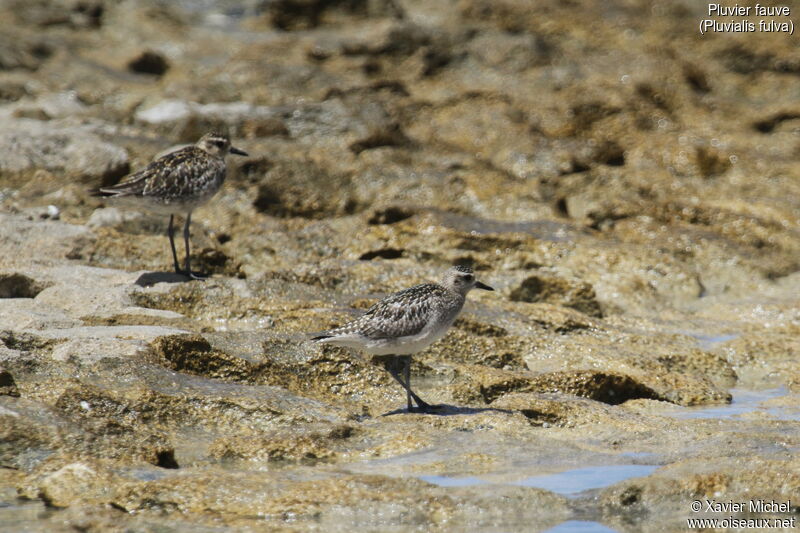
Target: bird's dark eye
<point>469,277</point>
<point>219,143</point>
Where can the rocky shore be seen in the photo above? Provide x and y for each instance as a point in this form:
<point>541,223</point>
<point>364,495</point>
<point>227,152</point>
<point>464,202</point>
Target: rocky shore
<point>629,187</point>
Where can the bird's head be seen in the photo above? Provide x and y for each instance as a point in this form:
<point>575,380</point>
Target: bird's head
<point>461,279</point>
<point>218,144</point>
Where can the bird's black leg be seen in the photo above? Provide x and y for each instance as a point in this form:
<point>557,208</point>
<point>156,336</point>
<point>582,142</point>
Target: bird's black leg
<point>186,242</point>
<point>188,270</point>
<point>422,404</point>
<point>171,235</point>
<point>407,377</point>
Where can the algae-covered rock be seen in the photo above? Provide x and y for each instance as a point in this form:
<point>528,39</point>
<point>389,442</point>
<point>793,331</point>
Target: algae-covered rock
<point>32,145</point>
<point>554,290</point>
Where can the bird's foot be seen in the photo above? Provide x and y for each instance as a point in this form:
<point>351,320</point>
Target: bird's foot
<point>199,276</point>
<point>426,408</point>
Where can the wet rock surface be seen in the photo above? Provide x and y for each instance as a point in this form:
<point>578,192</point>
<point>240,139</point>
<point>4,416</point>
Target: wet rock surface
<point>630,190</point>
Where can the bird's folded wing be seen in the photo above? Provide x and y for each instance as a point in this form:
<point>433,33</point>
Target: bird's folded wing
<point>173,172</point>
<point>402,314</point>
<point>132,185</point>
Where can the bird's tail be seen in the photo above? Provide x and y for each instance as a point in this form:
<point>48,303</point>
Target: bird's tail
<point>321,337</point>
<point>101,193</point>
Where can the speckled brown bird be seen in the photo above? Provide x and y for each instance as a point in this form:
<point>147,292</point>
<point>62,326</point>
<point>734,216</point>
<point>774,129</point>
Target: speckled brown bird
<point>177,183</point>
<point>407,322</point>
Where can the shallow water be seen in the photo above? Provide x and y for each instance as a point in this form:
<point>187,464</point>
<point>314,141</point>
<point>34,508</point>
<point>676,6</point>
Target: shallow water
<point>709,341</point>
<point>580,526</point>
<point>447,481</point>
<point>20,515</point>
<point>573,482</point>
<point>743,403</point>
<point>568,483</point>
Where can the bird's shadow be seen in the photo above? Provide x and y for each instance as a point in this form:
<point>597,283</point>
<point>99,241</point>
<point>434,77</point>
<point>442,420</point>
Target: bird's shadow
<point>448,410</point>
<point>148,279</point>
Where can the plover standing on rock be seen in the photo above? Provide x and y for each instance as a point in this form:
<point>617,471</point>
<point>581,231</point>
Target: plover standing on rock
<point>407,322</point>
<point>177,183</point>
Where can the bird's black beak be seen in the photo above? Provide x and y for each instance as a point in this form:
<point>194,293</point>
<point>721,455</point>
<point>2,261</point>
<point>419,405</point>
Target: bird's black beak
<point>479,285</point>
<point>236,151</point>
